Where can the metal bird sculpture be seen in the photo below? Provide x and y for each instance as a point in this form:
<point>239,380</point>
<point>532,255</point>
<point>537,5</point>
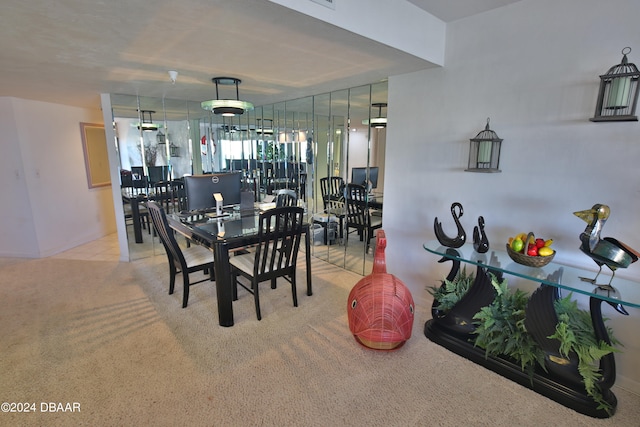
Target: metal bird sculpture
<point>455,242</point>
<point>604,251</point>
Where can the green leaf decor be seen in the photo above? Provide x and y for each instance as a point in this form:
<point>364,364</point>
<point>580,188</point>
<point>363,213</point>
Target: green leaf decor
<point>451,291</point>
<point>575,333</point>
<point>501,331</point>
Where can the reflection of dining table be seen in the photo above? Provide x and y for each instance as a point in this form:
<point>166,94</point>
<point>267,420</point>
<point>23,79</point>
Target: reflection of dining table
<point>134,201</point>
<point>375,200</point>
<point>231,231</point>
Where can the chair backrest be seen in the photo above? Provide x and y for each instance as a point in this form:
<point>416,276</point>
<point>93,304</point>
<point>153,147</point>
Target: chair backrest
<point>158,173</point>
<point>356,201</point>
<point>161,225</point>
<point>286,198</point>
<point>126,179</point>
<point>164,194</point>
<point>138,172</point>
<point>331,189</point>
<point>279,237</point>
<point>179,194</point>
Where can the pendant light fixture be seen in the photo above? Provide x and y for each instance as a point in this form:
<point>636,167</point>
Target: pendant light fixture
<point>265,128</point>
<point>378,122</point>
<point>147,124</point>
<point>227,107</point>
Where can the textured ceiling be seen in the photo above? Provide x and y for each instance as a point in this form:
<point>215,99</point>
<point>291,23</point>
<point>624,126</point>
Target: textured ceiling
<point>70,51</point>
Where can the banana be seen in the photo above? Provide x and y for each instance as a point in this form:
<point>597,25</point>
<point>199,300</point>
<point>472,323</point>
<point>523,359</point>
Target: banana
<point>548,242</point>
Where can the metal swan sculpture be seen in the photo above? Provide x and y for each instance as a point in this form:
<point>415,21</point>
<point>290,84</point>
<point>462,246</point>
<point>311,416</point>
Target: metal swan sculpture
<point>480,240</point>
<point>455,242</point>
<point>607,250</point>
<point>541,321</point>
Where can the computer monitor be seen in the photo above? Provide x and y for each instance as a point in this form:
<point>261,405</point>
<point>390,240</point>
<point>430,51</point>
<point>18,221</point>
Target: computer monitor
<point>359,176</point>
<point>200,189</point>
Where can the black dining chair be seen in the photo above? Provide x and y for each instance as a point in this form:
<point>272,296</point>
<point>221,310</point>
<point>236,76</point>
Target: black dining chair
<point>275,255</point>
<point>181,261</point>
<point>164,195</point>
<point>358,214</point>
<point>286,197</point>
<point>332,189</point>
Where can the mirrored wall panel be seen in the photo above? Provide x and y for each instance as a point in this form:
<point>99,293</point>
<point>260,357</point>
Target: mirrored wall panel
<point>327,149</point>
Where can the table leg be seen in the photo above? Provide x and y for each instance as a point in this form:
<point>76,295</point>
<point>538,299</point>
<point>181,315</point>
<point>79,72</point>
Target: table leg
<point>307,246</point>
<point>224,285</point>
<point>135,217</point>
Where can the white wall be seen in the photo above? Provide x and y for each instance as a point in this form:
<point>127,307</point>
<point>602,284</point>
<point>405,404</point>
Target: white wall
<point>413,30</point>
<point>47,205</point>
<point>533,68</point>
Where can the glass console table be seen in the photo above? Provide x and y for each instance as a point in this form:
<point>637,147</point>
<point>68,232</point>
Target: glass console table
<point>560,380</point>
<point>553,274</point>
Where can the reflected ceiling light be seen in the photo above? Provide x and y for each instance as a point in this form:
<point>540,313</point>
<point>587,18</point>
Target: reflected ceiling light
<point>267,129</point>
<point>380,121</point>
<point>173,76</point>
<point>147,124</point>
<point>227,107</point>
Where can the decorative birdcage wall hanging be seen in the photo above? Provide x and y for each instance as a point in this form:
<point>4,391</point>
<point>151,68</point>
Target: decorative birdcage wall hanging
<point>484,152</point>
<point>618,94</point>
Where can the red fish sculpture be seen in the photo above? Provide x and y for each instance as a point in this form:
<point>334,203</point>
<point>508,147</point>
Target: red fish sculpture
<point>380,307</point>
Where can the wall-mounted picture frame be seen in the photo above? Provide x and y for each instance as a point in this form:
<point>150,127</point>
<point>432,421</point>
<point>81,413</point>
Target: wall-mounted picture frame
<point>96,159</point>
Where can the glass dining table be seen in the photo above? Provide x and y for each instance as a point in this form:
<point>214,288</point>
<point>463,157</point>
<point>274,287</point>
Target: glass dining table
<point>232,230</point>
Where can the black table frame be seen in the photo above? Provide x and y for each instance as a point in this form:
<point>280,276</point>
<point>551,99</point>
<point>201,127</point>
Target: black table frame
<point>221,247</point>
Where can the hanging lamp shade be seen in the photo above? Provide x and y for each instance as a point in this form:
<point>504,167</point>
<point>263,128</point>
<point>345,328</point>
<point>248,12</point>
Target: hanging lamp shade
<point>227,107</point>
<point>265,127</point>
<point>618,94</point>
<point>484,151</point>
<point>378,122</point>
<point>147,124</point>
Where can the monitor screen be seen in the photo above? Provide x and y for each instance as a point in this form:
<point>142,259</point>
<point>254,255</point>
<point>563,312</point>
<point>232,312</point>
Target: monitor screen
<point>199,189</point>
<point>359,176</point>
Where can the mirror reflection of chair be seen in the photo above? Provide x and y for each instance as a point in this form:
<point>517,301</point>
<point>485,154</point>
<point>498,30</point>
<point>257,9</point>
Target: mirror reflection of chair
<point>163,191</point>
<point>158,174</point>
<point>126,180</point>
<point>143,213</point>
<point>332,190</point>
<point>181,261</point>
<point>140,181</point>
<point>286,198</point>
<point>179,195</point>
<point>359,215</point>
<point>274,256</point>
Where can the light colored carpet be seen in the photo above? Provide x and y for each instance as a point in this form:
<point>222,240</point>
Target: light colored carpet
<point>108,336</point>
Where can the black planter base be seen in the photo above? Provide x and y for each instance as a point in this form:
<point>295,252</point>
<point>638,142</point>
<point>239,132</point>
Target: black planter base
<point>542,383</point>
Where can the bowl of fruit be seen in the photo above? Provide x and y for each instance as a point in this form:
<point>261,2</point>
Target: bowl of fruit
<point>525,249</point>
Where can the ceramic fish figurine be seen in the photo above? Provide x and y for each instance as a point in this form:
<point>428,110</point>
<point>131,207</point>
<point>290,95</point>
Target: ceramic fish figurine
<point>607,250</point>
<point>455,242</point>
<point>480,240</point>
<point>380,307</point>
